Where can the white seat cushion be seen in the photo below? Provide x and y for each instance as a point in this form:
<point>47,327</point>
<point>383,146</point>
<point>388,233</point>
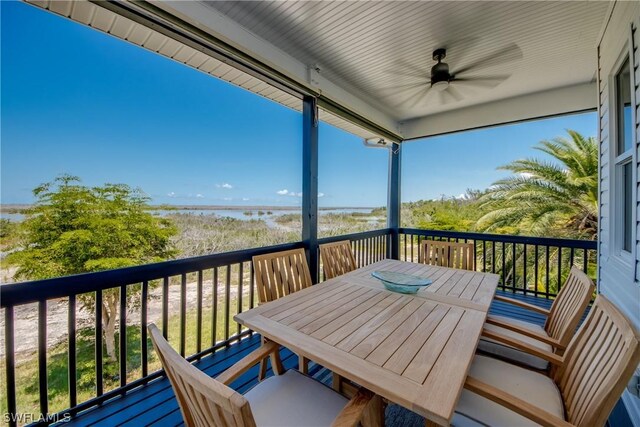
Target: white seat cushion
<point>294,399</point>
<point>504,351</point>
<point>530,386</point>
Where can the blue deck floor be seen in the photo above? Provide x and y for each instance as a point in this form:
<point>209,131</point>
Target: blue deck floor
<point>155,404</point>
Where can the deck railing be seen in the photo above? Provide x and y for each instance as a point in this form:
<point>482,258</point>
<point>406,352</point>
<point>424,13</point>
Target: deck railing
<point>368,247</point>
<point>223,285</point>
<point>194,300</point>
<point>531,265</point>
<point>233,293</point>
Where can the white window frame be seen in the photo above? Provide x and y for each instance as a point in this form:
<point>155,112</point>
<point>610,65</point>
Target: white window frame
<point>625,259</point>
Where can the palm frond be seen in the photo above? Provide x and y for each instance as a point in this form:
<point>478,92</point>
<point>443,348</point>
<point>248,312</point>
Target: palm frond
<point>545,195</point>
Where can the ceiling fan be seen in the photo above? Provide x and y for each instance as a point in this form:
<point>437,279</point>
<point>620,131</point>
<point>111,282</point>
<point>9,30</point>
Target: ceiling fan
<point>445,83</point>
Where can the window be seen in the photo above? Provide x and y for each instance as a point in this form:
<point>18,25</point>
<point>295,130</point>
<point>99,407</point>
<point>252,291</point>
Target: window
<point>623,195</point>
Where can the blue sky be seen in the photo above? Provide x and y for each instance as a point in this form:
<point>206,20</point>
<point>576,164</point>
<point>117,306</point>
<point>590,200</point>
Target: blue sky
<point>451,164</point>
<point>77,101</point>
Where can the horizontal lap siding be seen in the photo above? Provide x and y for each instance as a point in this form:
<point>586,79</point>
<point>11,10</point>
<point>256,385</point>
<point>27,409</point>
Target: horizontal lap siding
<point>604,166</point>
<point>614,279</point>
<point>616,36</point>
<point>636,81</point>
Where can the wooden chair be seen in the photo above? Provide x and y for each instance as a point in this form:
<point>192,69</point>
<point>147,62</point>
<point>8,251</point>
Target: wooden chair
<point>583,389</point>
<point>560,326</point>
<point>288,397</point>
<point>448,254</point>
<point>337,258</point>
<point>279,274</point>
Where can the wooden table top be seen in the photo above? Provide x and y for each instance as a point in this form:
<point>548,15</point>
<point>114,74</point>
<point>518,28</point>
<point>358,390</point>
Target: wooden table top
<point>464,288</point>
<point>414,350</point>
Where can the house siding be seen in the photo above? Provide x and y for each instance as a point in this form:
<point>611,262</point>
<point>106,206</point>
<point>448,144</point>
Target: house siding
<point>617,280</point>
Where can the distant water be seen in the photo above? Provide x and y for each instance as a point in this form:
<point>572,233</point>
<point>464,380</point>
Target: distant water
<point>249,214</point>
<point>16,217</point>
<point>242,214</point>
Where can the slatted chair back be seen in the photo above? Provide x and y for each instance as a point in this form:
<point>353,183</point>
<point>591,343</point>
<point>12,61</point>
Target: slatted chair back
<point>203,400</point>
<point>598,362</point>
<point>434,252</point>
<point>337,258</point>
<point>461,256</point>
<point>569,306</point>
<point>448,254</point>
<point>281,273</point>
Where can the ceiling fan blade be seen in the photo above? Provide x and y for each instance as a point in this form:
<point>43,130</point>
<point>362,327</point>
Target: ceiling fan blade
<point>481,81</point>
<point>508,54</point>
<point>448,97</point>
<point>411,99</point>
<point>404,87</point>
<point>457,48</point>
<point>414,75</point>
<point>454,93</point>
<point>422,96</point>
<point>406,69</point>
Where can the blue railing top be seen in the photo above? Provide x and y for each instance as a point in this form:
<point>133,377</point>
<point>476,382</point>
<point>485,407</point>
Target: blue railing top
<point>59,287</point>
<point>25,292</point>
<point>506,238</point>
<point>355,236</point>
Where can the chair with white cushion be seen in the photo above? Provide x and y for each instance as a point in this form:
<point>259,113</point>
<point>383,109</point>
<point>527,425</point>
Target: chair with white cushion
<point>583,389</point>
<point>289,399</point>
<point>560,326</point>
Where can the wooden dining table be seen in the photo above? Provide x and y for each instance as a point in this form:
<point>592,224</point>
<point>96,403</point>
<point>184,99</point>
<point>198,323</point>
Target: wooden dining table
<point>414,350</point>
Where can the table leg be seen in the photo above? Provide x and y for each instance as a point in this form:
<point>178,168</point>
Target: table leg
<point>303,364</point>
<point>336,382</point>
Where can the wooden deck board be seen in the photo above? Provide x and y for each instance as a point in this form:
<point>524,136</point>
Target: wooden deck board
<point>155,405</point>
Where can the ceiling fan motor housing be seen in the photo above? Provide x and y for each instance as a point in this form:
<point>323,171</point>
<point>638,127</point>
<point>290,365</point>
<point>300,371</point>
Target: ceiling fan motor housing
<point>440,71</point>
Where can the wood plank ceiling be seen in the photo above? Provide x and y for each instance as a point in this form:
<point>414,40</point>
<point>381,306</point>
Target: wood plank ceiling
<point>382,51</point>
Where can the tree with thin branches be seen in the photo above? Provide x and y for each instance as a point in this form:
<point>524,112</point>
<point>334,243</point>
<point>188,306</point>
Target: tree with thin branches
<point>75,229</point>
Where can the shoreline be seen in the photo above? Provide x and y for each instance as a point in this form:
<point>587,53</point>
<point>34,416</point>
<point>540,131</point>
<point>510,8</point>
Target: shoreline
<point>15,208</point>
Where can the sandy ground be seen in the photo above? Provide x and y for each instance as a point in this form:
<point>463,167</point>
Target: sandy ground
<point>26,316</point>
<point>6,274</point>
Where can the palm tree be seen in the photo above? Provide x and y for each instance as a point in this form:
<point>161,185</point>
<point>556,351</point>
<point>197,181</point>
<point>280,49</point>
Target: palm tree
<point>558,198</point>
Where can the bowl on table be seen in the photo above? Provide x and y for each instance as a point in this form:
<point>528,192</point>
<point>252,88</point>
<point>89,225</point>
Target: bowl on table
<point>401,282</point>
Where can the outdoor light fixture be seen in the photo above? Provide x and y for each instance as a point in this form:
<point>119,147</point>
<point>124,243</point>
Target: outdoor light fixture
<point>377,143</point>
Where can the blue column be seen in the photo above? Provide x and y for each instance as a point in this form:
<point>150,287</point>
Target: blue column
<point>310,183</point>
<point>393,200</point>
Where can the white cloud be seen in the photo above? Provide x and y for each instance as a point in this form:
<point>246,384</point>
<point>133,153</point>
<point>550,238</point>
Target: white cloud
<point>226,198</point>
<point>171,194</point>
<point>461,196</point>
<point>286,192</point>
<point>245,199</point>
<point>320,194</point>
<point>225,185</point>
<point>526,175</point>
<point>199,196</point>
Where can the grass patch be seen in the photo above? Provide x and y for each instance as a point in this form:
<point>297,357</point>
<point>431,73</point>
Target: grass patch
<point>26,372</point>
